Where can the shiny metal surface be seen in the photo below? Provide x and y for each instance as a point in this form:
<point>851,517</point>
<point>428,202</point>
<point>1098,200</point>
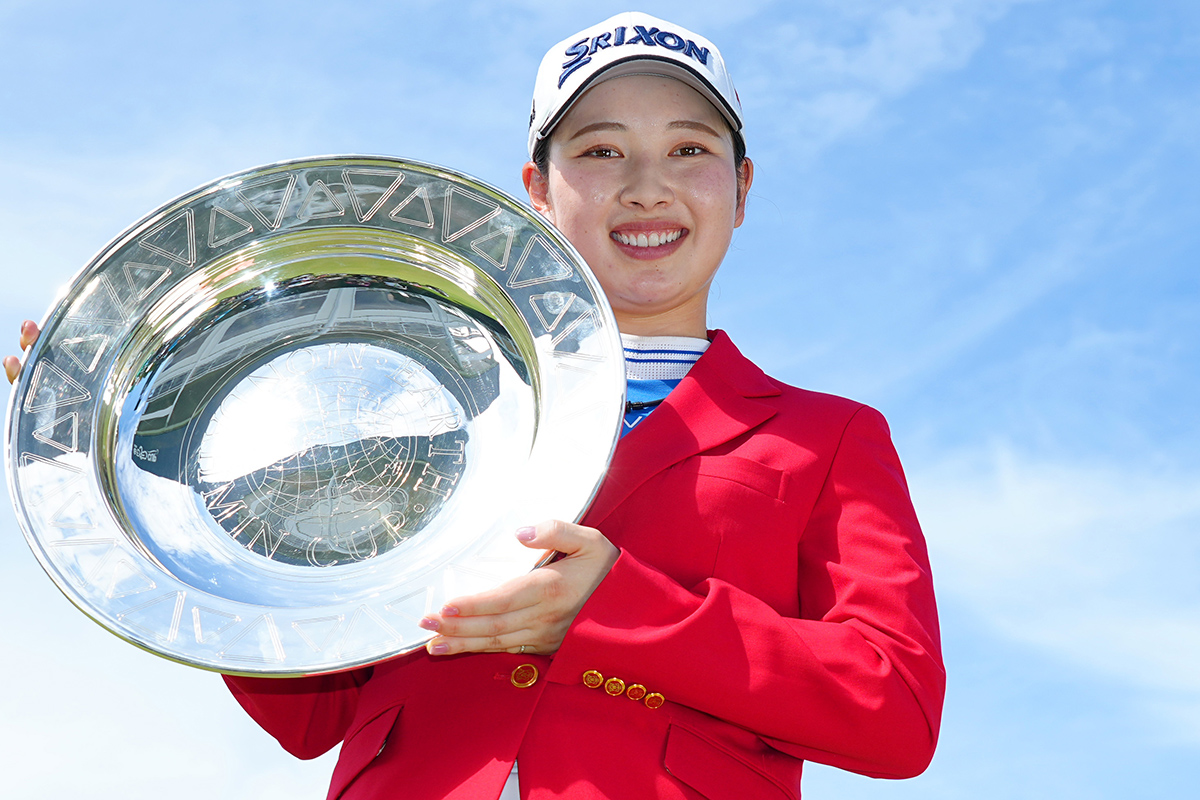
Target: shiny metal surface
<point>277,421</point>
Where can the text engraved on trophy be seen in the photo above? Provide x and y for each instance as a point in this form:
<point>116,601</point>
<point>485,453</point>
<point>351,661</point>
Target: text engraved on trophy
<point>369,189</point>
<point>208,623</point>
<point>366,634</point>
<point>320,203</point>
<point>173,238</point>
<point>435,482</point>
<point>62,433</point>
<point>42,478</point>
<point>159,617</point>
<point>452,455</point>
<point>128,578</point>
<point>496,246</point>
<point>413,606</point>
<point>465,211</point>
<point>50,387</point>
<point>225,227</point>
<point>267,198</point>
<point>319,632</point>
<point>257,535</point>
<point>258,642</point>
<point>420,216</point>
<point>85,351</point>
<point>539,263</point>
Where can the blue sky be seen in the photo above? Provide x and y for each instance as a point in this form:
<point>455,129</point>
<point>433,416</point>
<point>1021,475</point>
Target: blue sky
<point>972,214</point>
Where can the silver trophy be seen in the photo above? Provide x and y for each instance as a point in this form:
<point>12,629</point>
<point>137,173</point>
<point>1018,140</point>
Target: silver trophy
<point>280,419</point>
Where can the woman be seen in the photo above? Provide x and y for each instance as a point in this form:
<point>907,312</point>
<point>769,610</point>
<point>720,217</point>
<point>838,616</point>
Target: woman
<point>750,587</point>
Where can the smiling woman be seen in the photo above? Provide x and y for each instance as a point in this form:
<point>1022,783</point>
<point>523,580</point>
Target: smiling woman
<point>750,587</point>
<point>641,176</point>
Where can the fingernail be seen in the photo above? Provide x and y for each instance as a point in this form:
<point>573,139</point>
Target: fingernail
<point>449,611</point>
<point>439,649</point>
<point>526,534</point>
<point>429,624</point>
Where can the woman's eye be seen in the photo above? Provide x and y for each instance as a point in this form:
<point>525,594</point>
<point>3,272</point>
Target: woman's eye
<point>601,152</point>
<point>689,150</point>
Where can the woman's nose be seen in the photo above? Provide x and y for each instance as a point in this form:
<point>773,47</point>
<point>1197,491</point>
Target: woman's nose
<point>647,185</point>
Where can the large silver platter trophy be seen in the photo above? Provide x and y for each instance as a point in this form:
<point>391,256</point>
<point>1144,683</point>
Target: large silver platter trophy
<point>281,418</point>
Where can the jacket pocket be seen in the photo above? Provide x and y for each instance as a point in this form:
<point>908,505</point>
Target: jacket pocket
<point>361,748</point>
<point>716,770</point>
<point>751,474</point>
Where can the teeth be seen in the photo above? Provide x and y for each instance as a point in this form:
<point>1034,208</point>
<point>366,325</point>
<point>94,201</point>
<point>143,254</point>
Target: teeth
<point>654,239</point>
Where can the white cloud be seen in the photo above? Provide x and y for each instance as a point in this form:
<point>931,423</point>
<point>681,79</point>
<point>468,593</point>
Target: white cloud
<point>1094,564</point>
<point>838,62</point>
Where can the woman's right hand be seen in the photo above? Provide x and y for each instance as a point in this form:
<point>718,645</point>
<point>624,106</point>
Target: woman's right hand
<point>29,335</point>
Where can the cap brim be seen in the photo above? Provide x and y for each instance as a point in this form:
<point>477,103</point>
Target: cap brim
<point>648,65</point>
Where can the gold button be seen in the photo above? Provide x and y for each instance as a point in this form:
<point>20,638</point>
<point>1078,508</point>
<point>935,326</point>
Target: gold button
<point>614,686</point>
<point>524,676</point>
<point>635,691</point>
<point>593,679</point>
<point>654,700</point>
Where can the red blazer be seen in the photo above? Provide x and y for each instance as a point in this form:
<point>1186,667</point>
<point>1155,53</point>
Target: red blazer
<point>772,597</point>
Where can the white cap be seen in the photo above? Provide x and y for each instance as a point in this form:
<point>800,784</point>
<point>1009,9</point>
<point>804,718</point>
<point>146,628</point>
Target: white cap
<point>632,43</point>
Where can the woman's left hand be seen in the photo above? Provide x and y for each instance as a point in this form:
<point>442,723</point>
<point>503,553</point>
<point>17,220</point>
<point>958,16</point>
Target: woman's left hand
<point>534,610</point>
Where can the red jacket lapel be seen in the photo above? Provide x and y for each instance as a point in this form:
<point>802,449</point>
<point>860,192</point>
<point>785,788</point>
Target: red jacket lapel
<point>712,405</point>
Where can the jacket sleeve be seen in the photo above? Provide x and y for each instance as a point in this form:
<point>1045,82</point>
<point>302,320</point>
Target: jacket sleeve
<point>307,716</point>
<point>854,681</point>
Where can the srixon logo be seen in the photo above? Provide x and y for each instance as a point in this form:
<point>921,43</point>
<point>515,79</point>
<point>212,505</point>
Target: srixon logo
<point>582,51</point>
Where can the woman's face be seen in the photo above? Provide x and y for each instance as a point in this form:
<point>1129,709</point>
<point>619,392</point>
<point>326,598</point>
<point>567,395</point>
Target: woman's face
<point>642,181</point>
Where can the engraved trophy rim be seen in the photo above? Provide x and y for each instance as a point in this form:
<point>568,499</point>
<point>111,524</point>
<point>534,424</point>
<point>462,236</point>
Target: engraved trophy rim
<point>447,356</point>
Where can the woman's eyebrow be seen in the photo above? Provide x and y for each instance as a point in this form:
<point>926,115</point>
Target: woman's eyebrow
<point>694,125</point>
<point>598,126</point>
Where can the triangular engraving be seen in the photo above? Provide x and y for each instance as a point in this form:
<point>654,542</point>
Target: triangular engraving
<point>128,578</point>
<point>158,617</point>
<point>173,238</point>
<point>258,642</point>
<point>462,580</point>
<point>62,433</point>
<point>539,264</point>
<point>498,246</point>
<point>320,203</point>
<point>84,558</point>
<point>208,623</point>
<point>583,325</point>
<point>268,198</point>
<point>573,380</point>
<point>224,227</point>
<point>100,302</point>
<point>370,188</point>
<point>366,633</point>
<point>53,388</point>
<point>465,211</point>
<point>319,632</point>
<point>414,605</point>
<point>551,307</point>
<point>85,350</point>
<point>410,217</point>
<point>48,478</point>
<point>74,514</point>
<point>144,278</point>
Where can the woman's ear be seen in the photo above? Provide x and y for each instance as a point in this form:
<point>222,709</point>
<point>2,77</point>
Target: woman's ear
<point>538,189</point>
<point>745,177</point>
